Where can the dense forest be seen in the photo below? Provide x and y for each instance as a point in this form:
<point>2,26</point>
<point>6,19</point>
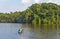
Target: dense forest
<point>43,13</point>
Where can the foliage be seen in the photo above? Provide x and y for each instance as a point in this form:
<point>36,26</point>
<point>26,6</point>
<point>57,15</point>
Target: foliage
<point>44,13</point>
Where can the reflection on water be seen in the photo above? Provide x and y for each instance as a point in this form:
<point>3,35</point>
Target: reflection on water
<point>40,32</point>
<point>36,31</point>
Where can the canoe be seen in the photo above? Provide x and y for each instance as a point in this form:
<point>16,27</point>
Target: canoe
<point>20,30</point>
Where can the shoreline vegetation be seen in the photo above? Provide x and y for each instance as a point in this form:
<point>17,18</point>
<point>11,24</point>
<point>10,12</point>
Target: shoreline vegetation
<point>44,13</point>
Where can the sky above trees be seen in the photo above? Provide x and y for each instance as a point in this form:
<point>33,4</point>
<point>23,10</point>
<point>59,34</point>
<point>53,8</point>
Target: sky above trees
<point>20,5</point>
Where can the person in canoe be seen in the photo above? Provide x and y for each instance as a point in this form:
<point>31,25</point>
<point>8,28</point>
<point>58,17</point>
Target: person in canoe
<point>20,30</point>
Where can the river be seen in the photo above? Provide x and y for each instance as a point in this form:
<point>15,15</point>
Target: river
<point>10,31</point>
